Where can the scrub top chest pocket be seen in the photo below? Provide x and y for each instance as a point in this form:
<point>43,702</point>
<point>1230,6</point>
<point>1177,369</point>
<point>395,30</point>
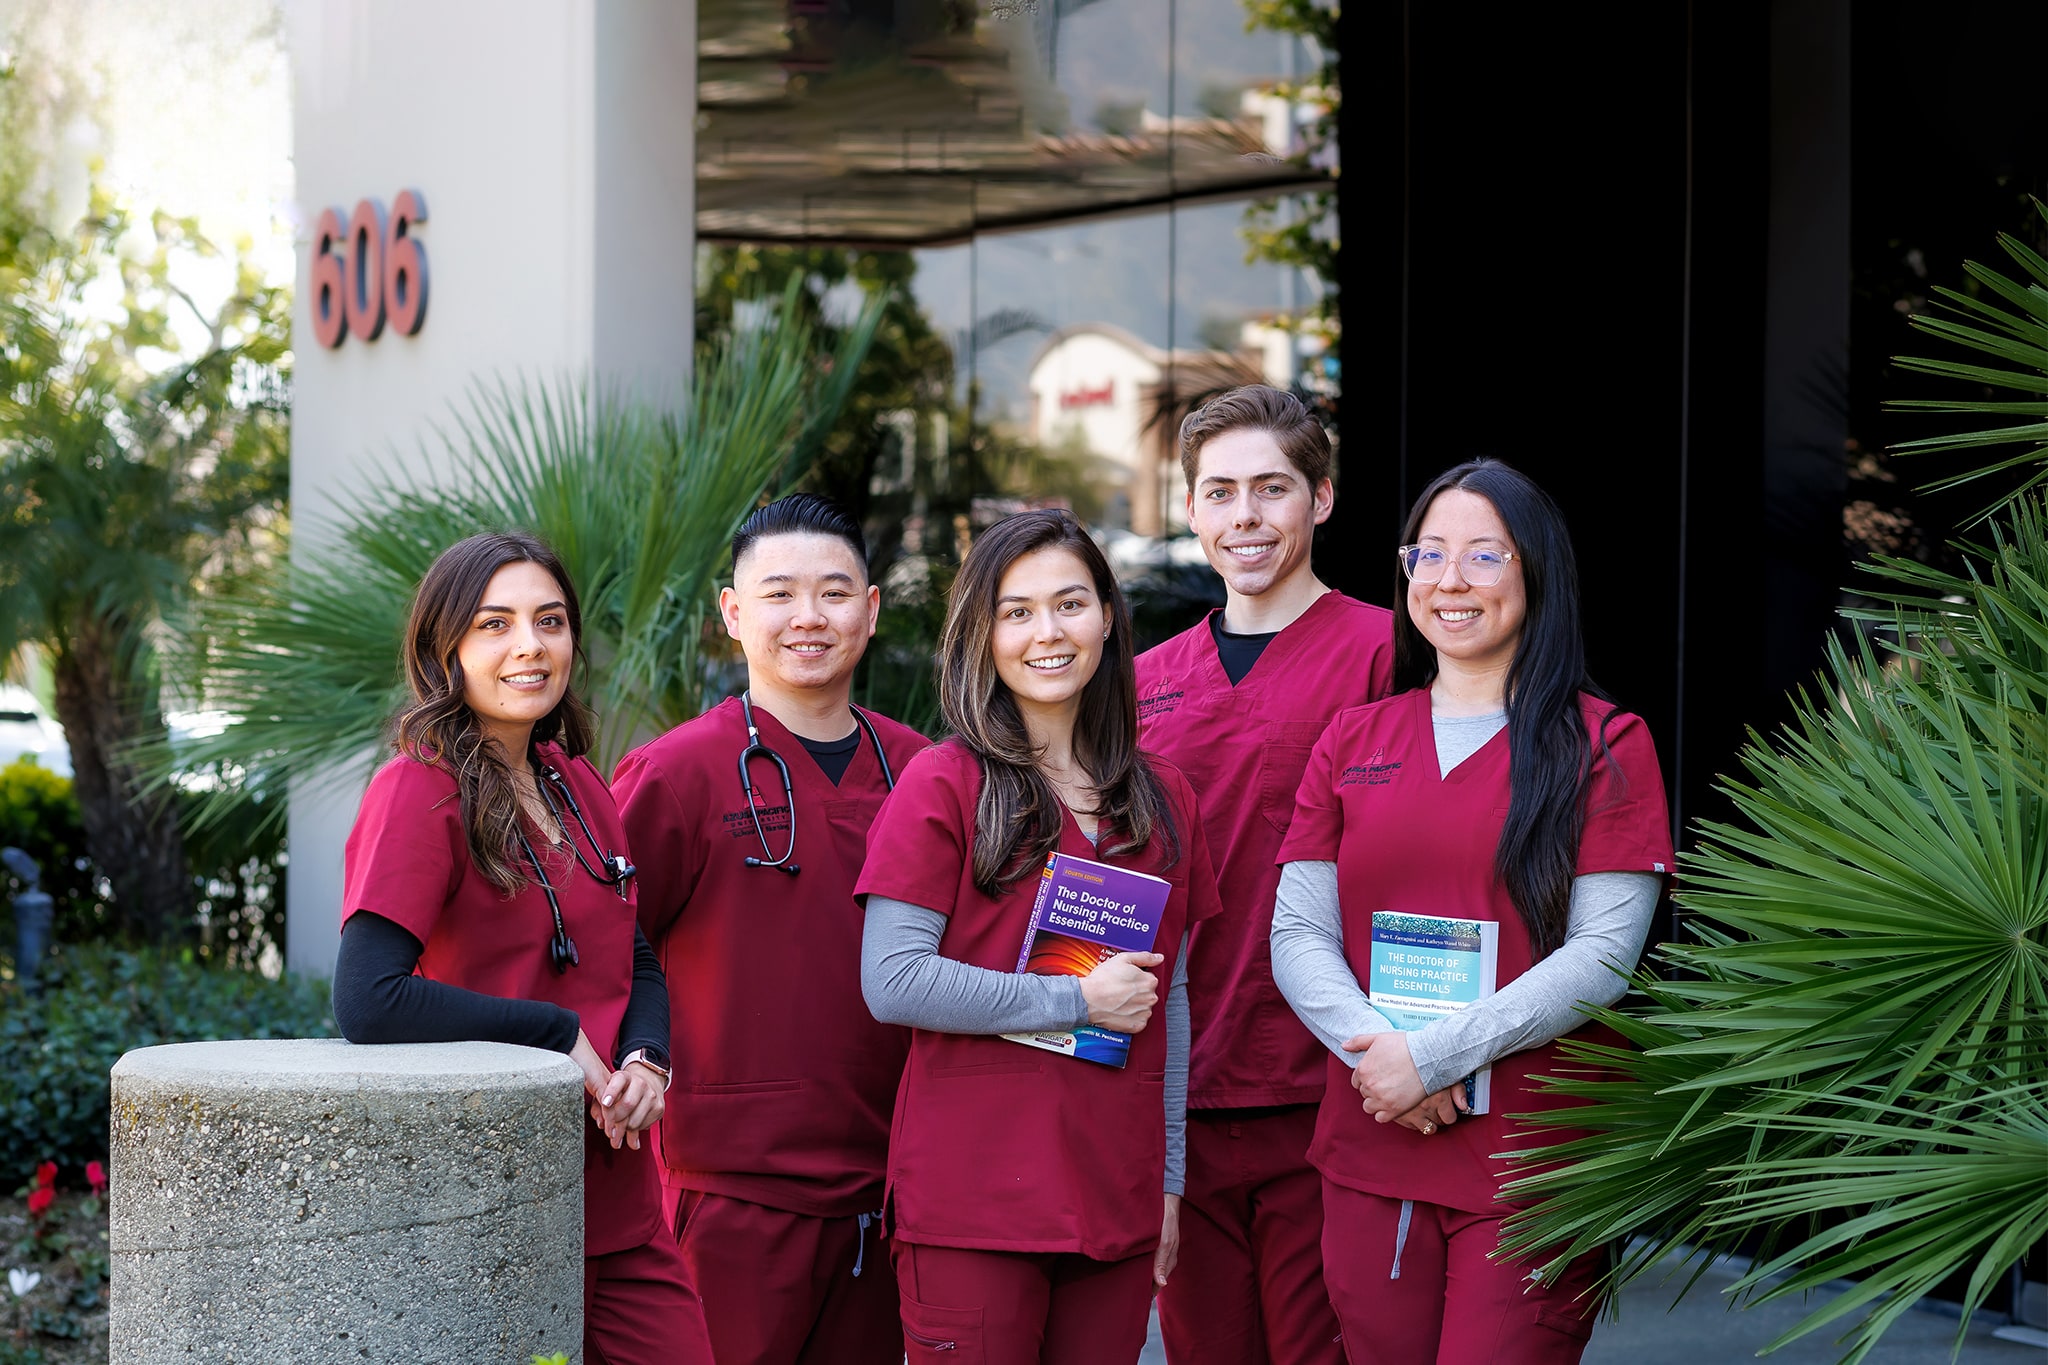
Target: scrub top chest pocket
<point>1282,758</point>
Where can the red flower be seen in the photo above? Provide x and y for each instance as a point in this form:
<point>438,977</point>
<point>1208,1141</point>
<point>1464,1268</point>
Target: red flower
<point>95,1176</point>
<point>39,1201</point>
<point>46,1175</point>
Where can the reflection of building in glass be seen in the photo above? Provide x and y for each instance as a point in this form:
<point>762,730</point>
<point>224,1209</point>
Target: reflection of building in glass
<point>1097,388</point>
<point>929,123</point>
<point>1070,181</point>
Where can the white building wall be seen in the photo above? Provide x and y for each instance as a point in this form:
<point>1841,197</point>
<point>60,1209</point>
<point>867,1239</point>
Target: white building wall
<point>554,142</point>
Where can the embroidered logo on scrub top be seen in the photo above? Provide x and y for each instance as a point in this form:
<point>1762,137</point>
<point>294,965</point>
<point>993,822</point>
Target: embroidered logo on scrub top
<point>739,824</point>
<point>1374,772</point>
<point>1158,704</point>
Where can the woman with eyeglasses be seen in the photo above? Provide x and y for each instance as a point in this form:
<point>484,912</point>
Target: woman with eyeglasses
<point>1033,1197</point>
<point>487,895</point>
<point>1497,784</point>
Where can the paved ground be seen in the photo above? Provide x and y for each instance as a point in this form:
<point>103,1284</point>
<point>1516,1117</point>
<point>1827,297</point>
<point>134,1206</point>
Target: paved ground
<point>1701,1331</point>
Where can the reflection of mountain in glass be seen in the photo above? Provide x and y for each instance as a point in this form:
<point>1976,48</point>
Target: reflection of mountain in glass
<point>922,121</point>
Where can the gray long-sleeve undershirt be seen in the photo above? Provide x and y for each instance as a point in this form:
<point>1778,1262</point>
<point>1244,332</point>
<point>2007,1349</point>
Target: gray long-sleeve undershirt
<point>1609,919</point>
<point>906,981</point>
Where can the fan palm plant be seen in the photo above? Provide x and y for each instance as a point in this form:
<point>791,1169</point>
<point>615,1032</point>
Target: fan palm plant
<point>1849,1067</point>
<point>639,501</point>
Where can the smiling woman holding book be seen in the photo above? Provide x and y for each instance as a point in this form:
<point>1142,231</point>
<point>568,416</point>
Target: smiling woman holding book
<point>1032,1195</point>
<point>1469,860</point>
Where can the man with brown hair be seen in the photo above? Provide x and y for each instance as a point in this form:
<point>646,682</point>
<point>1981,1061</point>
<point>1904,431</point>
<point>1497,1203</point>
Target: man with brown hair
<point>1237,702</point>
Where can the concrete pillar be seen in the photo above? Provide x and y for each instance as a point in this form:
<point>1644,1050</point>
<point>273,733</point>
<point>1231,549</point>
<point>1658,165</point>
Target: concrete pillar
<point>310,1200</point>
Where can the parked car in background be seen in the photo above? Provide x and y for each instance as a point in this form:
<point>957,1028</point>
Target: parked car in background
<point>25,728</point>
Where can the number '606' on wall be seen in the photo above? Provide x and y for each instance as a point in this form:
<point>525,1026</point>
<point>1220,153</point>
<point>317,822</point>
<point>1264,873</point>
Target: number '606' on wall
<point>370,270</point>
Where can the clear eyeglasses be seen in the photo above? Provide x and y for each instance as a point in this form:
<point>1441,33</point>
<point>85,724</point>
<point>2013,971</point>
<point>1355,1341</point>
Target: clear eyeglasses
<point>1480,568</point>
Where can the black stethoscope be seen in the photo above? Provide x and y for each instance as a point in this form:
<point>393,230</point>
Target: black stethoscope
<point>615,870</point>
<point>756,749</point>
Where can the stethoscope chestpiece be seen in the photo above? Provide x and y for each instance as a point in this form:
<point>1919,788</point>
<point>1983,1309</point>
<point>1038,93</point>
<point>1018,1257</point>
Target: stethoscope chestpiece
<point>562,952</point>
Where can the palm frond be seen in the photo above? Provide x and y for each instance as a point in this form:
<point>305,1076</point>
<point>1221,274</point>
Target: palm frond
<point>1850,1062</point>
<point>2017,343</point>
<point>640,503</point>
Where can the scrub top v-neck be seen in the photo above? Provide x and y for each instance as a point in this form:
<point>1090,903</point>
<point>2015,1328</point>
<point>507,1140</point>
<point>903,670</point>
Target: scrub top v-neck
<point>407,859</point>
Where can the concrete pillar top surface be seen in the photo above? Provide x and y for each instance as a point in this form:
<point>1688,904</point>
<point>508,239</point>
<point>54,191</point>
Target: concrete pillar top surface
<point>258,1065</point>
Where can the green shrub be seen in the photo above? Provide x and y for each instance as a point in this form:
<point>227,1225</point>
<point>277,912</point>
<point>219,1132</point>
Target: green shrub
<point>98,1002</point>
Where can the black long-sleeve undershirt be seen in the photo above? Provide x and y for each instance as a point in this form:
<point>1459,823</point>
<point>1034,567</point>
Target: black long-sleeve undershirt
<point>378,999</point>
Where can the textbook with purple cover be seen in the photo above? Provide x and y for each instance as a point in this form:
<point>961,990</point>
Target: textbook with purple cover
<point>1086,913</point>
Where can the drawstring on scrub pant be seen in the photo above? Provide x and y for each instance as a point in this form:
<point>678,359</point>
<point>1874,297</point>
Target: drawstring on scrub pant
<point>1400,1236</point>
<point>860,1250</point>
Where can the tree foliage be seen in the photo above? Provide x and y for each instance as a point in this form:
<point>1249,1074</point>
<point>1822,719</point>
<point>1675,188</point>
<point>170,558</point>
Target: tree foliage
<point>1302,232</point>
<point>910,454</point>
<point>133,473</point>
<point>1850,1065</point>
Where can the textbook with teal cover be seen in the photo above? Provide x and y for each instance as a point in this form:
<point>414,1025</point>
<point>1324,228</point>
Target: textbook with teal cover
<point>1425,967</point>
<point>1086,913</point>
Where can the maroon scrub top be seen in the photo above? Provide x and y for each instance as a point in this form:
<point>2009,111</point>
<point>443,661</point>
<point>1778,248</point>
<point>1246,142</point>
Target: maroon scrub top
<point>784,1082</point>
<point>1244,747</point>
<point>407,859</point>
<point>996,1145</point>
<point>1406,839</point>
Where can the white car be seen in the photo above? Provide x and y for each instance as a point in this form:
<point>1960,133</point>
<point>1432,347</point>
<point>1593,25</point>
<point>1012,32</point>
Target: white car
<point>26,729</point>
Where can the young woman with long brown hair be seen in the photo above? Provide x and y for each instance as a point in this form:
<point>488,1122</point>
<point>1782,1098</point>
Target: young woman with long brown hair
<point>488,895</point>
<point>1032,1197</point>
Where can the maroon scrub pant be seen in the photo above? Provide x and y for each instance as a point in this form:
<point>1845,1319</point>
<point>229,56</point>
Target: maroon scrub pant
<point>639,1309</point>
<point>1429,1293</point>
<point>1249,1286</point>
<point>780,1288</point>
<point>1021,1308</point>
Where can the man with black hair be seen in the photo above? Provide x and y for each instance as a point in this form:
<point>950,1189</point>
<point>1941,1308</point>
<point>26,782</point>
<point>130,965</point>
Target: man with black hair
<point>1238,702</point>
<point>749,825</point>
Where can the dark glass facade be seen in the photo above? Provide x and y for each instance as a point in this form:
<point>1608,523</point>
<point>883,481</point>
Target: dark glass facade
<point>1661,258</point>
<point>1657,256</point>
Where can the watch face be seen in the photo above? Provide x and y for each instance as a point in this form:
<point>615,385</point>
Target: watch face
<point>656,1057</point>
